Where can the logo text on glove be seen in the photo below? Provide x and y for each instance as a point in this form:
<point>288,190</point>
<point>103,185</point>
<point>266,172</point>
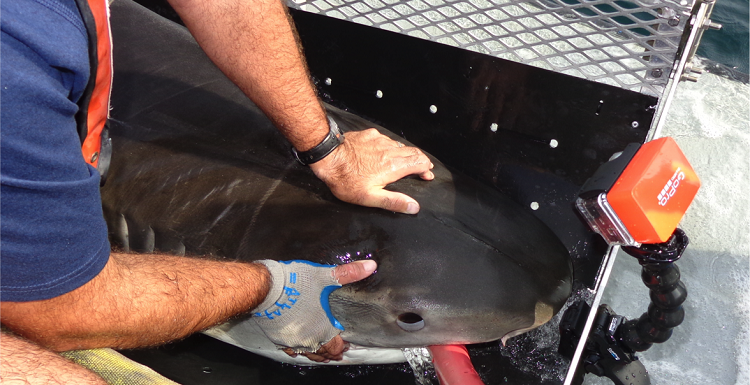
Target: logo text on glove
<point>292,295</point>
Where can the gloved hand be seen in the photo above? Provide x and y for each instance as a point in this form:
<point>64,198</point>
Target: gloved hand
<point>296,313</point>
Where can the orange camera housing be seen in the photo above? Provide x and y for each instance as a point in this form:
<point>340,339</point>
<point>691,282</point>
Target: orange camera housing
<point>641,195</point>
<point>654,191</point>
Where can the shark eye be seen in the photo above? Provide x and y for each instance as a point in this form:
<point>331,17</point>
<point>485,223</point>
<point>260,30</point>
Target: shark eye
<point>410,322</point>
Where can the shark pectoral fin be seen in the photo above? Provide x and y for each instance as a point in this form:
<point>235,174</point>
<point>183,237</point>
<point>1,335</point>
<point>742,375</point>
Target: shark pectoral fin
<point>542,314</point>
<point>119,231</point>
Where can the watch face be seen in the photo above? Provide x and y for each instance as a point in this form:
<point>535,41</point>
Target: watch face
<point>335,129</point>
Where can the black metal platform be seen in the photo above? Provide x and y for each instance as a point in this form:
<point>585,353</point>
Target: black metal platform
<point>529,107</point>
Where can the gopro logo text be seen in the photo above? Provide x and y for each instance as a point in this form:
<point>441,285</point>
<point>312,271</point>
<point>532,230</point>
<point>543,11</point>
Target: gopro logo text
<point>671,187</point>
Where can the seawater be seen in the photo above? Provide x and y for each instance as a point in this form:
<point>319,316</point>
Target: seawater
<point>710,121</point>
<point>420,361</point>
<point>730,45</point>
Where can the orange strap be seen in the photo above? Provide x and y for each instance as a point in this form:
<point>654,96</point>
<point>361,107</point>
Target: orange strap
<point>98,108</point>
<point>453,365</point>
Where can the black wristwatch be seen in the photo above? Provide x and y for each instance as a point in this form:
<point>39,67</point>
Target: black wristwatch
<point>334,138</point>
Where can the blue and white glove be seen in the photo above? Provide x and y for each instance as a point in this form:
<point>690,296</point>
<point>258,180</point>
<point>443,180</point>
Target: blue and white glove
<point>296,313</point>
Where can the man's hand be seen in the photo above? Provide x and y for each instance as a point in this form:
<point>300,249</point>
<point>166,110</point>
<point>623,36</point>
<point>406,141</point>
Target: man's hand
<point>359,169</point>
<point>296,313</point>
<point>335,348</point>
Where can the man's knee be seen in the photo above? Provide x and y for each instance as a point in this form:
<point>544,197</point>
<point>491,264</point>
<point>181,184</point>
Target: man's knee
<point>23,362</point>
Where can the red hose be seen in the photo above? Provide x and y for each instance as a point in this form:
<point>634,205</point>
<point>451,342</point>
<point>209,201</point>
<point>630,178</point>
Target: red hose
<point>453,365</point>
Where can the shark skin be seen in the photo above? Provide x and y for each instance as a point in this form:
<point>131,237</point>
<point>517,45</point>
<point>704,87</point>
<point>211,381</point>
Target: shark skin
<point>198,170</point>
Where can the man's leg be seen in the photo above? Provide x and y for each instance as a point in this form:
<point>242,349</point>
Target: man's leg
<point>22,362</point>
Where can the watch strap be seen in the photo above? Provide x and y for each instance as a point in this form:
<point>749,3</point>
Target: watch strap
<point>334,138</point>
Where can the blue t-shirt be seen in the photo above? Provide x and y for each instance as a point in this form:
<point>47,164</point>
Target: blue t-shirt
<point>53,238</point>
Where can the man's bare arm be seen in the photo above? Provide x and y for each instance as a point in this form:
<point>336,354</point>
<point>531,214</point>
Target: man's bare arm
<point>254,43</point>
<point>140,300</point>
<point>143,300</point>
<point>22,362</point>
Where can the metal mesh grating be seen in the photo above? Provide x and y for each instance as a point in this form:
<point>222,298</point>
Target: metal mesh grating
<point>628,44</point>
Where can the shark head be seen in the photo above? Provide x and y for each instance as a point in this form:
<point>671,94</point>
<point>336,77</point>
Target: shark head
<point>472,266</point>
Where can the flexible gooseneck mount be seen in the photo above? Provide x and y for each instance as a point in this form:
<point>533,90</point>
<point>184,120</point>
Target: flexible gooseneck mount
<point>614,340</point>
<point>668,292</point>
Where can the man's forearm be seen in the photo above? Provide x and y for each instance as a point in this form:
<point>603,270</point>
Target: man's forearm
<point>140,300</point>
<point>254,43</point>
<point>22,362</point>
